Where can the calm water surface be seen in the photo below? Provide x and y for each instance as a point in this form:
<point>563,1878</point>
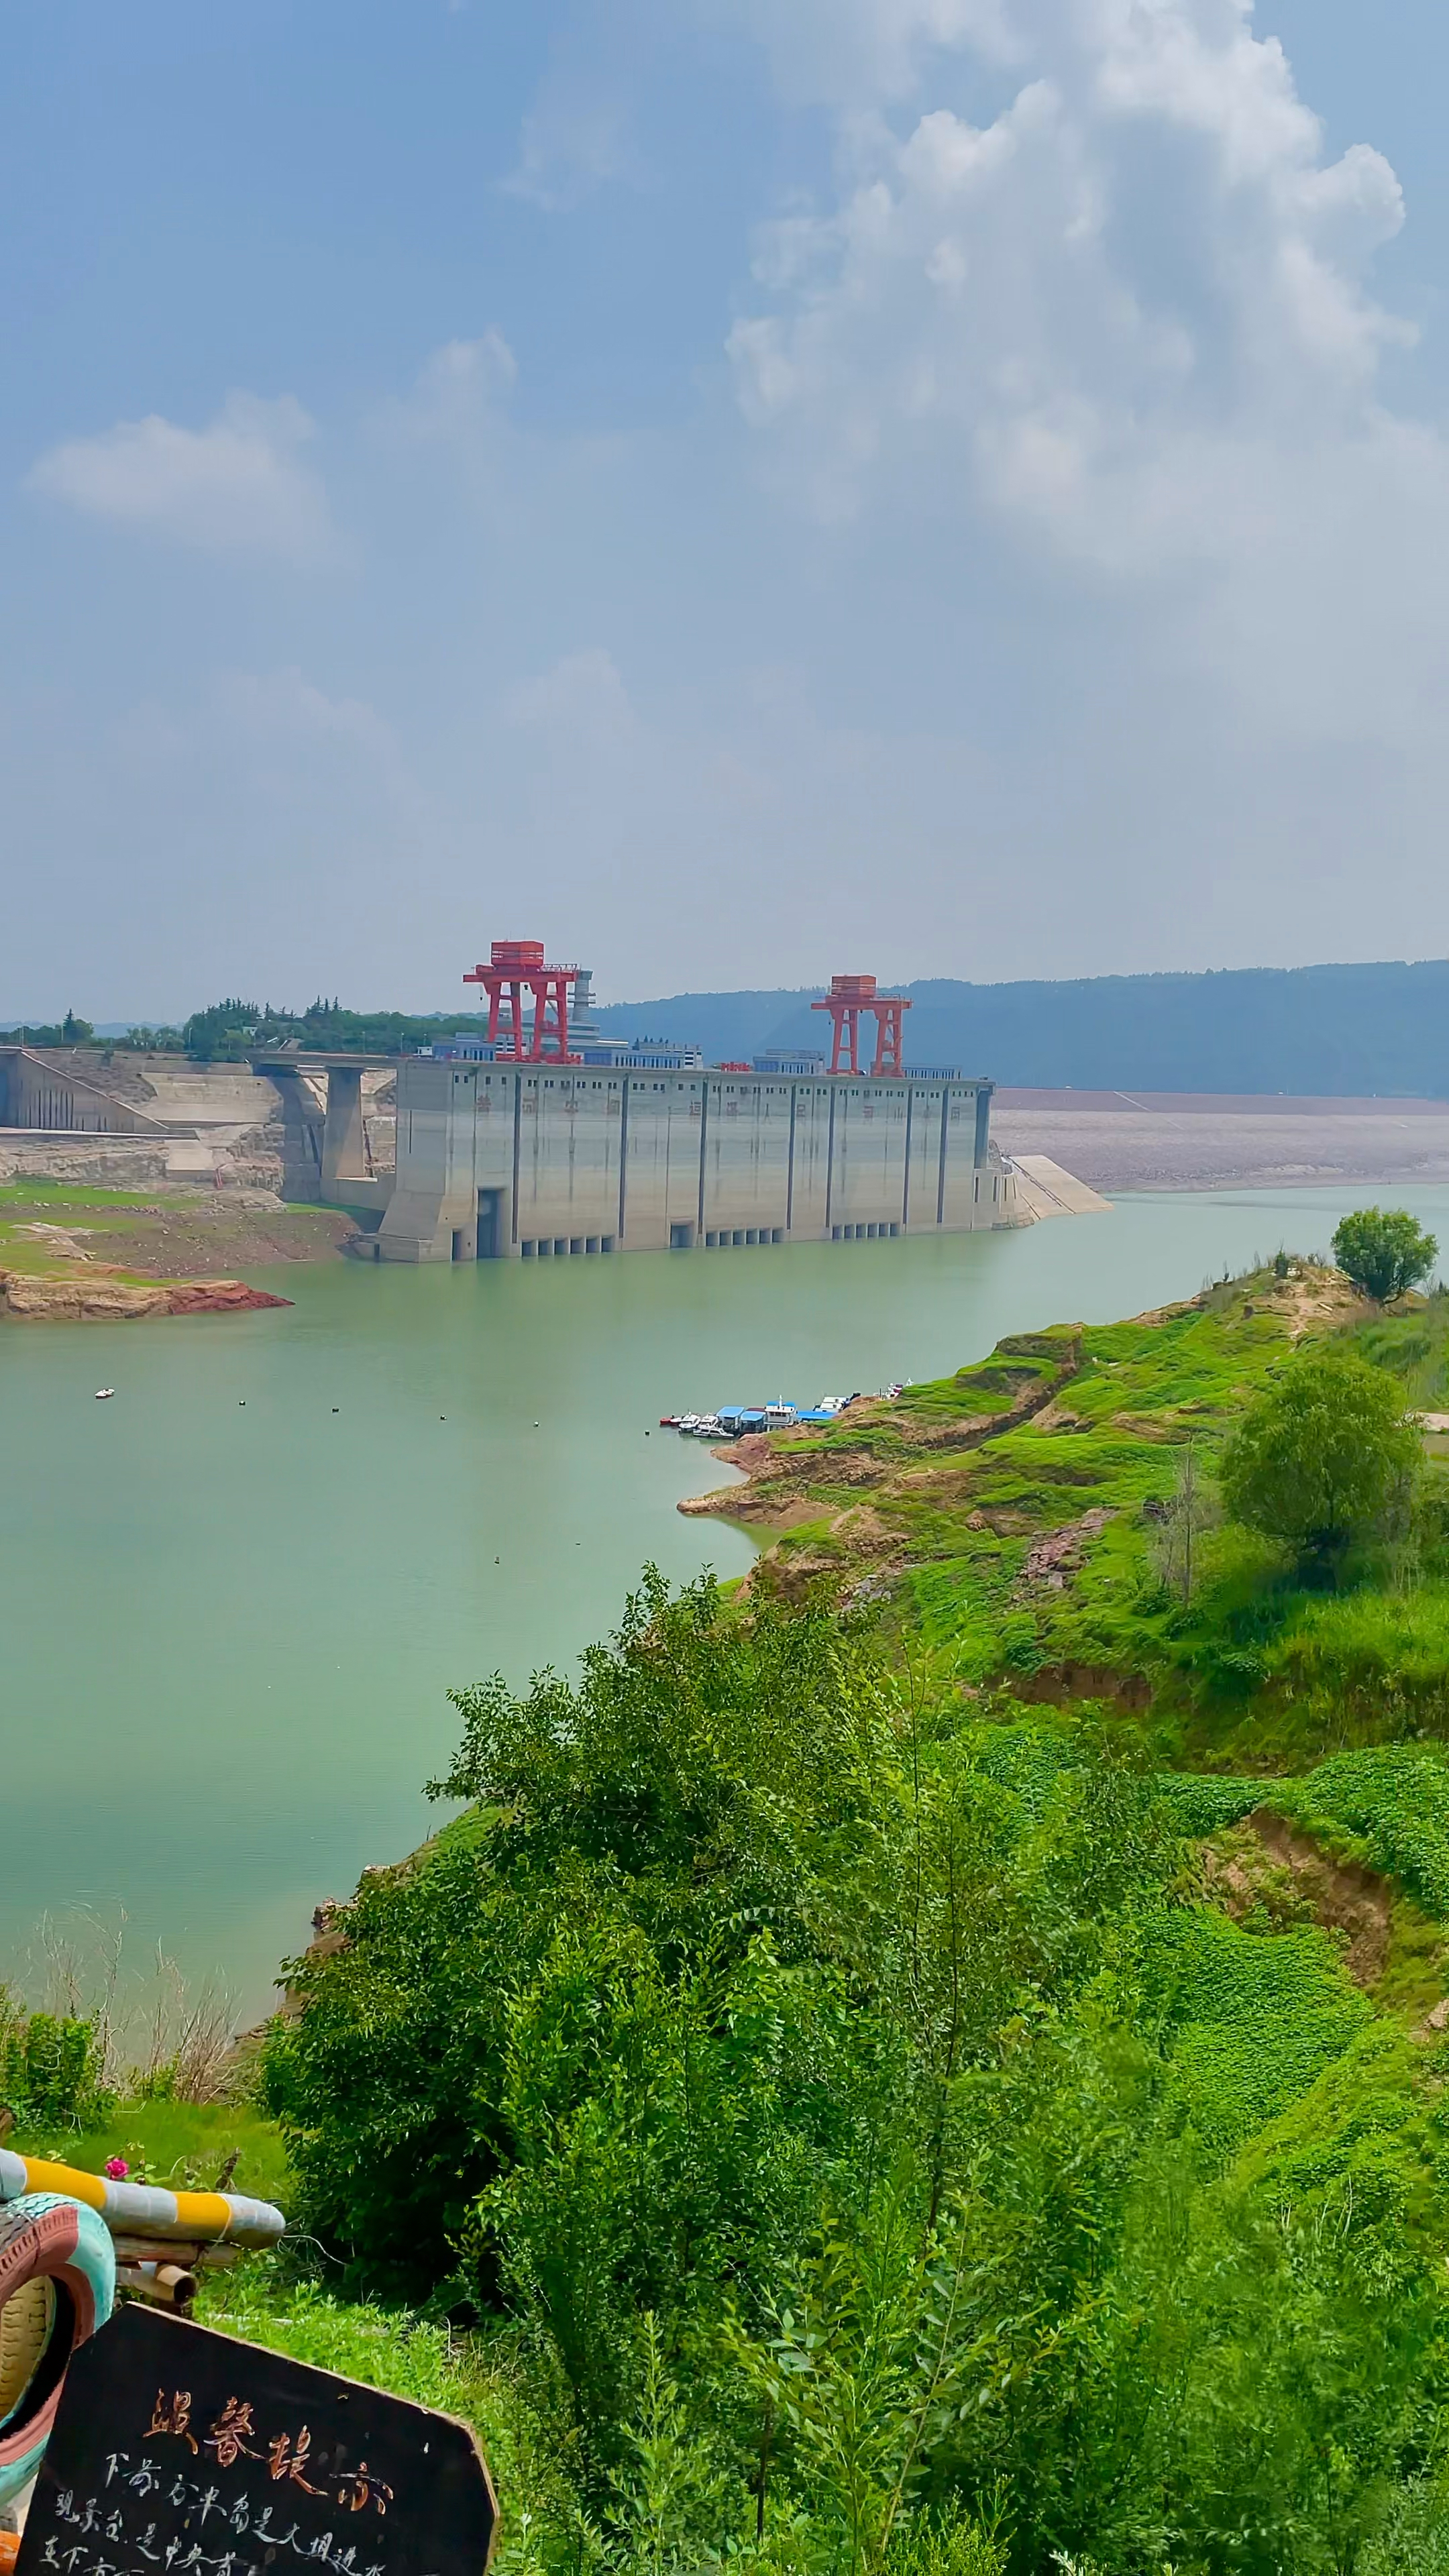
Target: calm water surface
<point>229,1613</point>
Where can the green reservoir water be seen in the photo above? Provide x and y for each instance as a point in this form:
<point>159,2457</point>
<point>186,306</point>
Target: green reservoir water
<point>229,1614</point>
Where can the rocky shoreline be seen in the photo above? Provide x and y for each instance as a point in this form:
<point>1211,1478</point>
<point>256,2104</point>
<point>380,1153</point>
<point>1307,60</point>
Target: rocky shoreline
<point>93,1298</point>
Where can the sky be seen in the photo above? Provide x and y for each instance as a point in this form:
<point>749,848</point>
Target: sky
<point>737,489</point>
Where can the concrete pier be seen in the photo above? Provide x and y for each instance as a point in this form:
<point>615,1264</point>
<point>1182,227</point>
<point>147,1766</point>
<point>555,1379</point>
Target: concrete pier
<point>531,1162</point>
<point>344,1149</point>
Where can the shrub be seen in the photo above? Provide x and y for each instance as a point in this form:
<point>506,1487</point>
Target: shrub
<point>1321,1459</point>
<point>50,2069</point>
<point>1383,1251</point>
<point>850,2116</point>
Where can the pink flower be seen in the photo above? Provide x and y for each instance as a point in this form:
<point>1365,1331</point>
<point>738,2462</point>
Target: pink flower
<point>116,2168</point>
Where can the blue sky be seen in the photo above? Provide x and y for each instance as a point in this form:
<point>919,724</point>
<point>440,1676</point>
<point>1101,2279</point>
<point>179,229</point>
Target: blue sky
<point>736,488</point>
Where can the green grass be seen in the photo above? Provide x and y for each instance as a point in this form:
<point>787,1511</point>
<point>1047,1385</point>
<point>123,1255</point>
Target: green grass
<point>181,2145</point>
<point>262,2301</point>
<point>1257,2019</point>
<point>1365,2131</point>
<point>1024,1364</point>
<point>1255,1674</point>
<point>1389,1807</point>
<point>1282,2077</point>
<point>80,1195</point>
<point>1413,1346</point>
<point>1328,1709</point>
<point>1203,1805</point>
<point>1030,1760</point>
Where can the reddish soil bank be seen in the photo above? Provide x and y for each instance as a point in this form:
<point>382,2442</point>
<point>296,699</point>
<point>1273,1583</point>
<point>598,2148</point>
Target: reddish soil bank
<point>94,1298</point>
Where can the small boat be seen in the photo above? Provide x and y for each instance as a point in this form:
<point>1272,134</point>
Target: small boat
<point>104,1394</point>
<point>732,1420</point>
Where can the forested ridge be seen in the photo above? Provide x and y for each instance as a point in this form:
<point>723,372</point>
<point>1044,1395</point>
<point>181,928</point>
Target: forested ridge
<point>1306,1029</point>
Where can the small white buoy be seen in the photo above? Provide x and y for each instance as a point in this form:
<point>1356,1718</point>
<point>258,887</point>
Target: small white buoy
<point>102,1392</point>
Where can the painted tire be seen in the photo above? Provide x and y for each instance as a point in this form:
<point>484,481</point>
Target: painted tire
<point>57,2284</point>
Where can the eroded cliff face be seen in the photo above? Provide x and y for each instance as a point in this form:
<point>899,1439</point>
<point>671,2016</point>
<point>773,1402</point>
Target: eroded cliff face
<point>91,1298</point>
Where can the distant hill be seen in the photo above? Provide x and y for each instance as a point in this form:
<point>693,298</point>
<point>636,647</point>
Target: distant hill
<point>1333,1029</point>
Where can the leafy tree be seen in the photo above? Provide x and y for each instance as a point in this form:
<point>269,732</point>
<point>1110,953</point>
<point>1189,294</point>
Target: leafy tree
<point>1320,1459</point>
<point>846,2110</point>
<point>50,2068</point>
<point>1383,1251</point>
<point>144,1040</point>
<point>228,1031</point>
<point>52,1033</point>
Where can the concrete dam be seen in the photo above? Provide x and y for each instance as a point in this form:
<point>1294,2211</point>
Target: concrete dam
<point>528,1147</point>
<point>496,1161</point>
<point>544,1140</point>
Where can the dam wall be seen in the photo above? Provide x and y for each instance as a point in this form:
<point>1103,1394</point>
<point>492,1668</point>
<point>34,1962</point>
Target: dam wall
<point>530,1161</point>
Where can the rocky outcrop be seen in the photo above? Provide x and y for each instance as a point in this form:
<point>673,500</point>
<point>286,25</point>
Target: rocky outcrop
<point>217,1297</point>
<point>93,1298</point>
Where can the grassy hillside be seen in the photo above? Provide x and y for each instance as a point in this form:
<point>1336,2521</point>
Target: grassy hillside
<point>931,2062</point>
<point>1012,1518</point>
<point>58,1229</point>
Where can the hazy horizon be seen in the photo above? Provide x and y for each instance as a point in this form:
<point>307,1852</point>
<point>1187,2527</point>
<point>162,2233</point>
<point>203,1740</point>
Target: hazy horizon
<point>609,1005</point>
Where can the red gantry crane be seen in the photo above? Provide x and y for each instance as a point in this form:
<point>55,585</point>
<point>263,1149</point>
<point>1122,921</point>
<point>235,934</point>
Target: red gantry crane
<point>517,966</point>
<point>848,996</point>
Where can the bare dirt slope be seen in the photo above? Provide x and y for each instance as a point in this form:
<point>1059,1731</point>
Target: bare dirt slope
<point>177,1234</point>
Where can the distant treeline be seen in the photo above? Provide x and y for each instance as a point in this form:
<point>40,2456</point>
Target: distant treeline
<point>67,1032</point>
<point>1334,1029</point>
<point>228,1032</point>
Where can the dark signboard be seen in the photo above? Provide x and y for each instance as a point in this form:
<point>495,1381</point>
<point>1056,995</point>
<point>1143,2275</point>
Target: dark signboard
<point>179,2452</point>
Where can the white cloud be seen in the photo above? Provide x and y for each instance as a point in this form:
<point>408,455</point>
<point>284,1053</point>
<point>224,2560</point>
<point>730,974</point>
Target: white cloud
<point>286,707</point>
<point>1128,317</point>
<point>1144,247</point>
<point>573,140</point>
<point>582,699</point>
<point>459,391</point>
<point>236,487</point>
<point>853,52</point>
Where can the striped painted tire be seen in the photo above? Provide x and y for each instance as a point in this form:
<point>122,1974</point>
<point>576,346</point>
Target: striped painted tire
<point>57,2284</point>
